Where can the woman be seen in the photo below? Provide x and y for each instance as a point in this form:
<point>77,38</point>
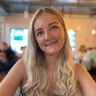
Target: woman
<point>48,68</point>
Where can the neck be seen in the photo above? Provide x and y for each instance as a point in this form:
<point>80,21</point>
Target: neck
<point>51,61</point>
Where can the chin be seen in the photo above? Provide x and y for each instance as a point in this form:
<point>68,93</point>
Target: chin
<point>53,52</point>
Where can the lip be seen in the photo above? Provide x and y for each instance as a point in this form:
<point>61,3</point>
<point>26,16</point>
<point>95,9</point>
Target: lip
<point>50,44</point>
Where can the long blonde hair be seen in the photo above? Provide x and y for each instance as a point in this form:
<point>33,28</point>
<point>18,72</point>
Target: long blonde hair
<point>37,79</point>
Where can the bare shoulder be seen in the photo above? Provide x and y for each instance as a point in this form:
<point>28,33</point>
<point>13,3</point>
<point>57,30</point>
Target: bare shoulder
<point>19,68</point>
<point>80,68</point>
<point>81,72</point>
<point>19,63</point>
<point>13,79</point>
<point>17,71</point>
<point>87,84</point>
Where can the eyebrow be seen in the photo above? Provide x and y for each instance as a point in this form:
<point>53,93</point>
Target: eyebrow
<point>53,23</point>
<point>48,25</point>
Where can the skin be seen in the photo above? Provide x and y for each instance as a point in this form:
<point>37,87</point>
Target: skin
<point>87,84</point>
<point>50,37</point>
<point>3,46</point>
<point>51,42</point>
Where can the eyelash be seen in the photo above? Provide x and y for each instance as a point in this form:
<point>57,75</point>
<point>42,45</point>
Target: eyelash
<point>53,27</point>
<point>39,33</point>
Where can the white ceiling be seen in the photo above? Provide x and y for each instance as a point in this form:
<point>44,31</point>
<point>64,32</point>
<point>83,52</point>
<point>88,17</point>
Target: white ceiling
<point>87,7</point>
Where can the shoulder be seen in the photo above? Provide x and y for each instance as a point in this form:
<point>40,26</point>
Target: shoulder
<point>79,67</point>
<point>81,71</point>
<point>19,63</point>
<point>84,79</point>
<point>19,68</point>
<point>78,70</point>
<point>13,79</point>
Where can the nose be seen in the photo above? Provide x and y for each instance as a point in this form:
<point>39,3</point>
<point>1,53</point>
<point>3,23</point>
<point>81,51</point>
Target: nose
<point>47,35</point>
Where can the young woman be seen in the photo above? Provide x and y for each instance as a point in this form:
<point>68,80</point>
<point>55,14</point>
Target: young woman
<point>48,68</point>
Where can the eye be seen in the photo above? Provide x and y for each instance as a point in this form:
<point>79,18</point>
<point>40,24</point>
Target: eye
<point>54,27</point>
<point>40,33</point>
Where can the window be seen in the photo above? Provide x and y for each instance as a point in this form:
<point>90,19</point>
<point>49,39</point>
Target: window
<point>18,38</point>
<point>72,37</point>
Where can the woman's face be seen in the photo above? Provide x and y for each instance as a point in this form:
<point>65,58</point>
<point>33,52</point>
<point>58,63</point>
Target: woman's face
<point>49,33</point>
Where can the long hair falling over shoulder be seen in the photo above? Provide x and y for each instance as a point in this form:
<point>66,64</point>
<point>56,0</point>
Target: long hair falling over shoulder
<point>36,83</point>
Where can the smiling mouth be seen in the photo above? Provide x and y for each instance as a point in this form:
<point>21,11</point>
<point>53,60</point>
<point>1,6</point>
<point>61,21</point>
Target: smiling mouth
<point>51,44</point>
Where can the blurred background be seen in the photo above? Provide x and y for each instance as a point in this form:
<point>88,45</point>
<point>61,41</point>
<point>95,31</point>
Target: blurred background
<point>79,16</point>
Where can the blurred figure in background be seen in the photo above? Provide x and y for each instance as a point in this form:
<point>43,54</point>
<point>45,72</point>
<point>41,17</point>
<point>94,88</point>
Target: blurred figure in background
<point>80,53</point>
<point>89,61</point>
<point>11,56</point>
<point>3,65</point>
<point>3,61</point>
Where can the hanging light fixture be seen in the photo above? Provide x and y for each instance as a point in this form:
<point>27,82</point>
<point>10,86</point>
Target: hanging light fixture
<point>26,12</point>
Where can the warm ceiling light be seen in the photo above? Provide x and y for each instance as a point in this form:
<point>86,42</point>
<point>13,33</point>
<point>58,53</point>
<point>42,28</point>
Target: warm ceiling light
<point>93,32</point>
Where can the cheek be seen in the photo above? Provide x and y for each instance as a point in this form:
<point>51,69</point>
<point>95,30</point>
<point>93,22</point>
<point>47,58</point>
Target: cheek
<point>61,35</point>
<point>62,41</point>
<point>62,38</point>
<point>39,42</point>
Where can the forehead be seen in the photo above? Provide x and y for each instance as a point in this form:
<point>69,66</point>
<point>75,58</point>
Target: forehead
<point>45,19</point>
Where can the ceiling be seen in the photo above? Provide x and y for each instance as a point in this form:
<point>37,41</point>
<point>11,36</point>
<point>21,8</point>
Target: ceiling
<point>87,7</point>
